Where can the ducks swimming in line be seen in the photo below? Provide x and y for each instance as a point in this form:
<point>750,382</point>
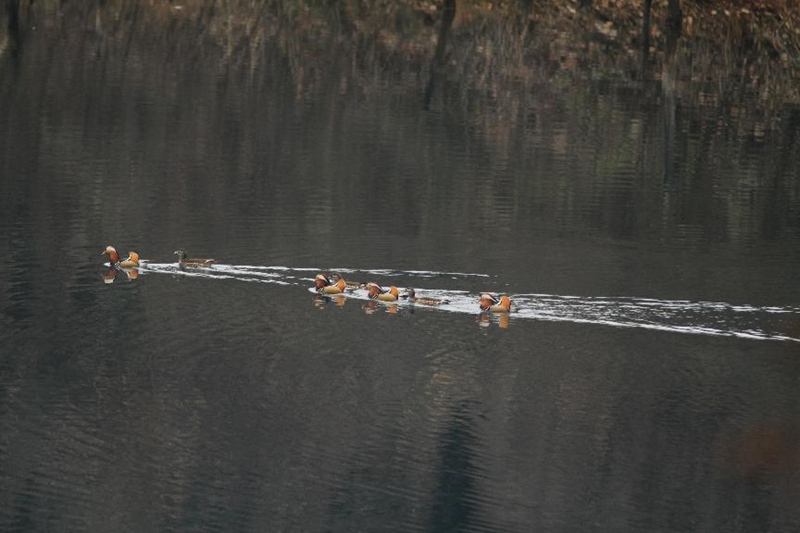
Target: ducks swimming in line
<point>324,284</point>
<point>183,261</point>
<point>334,281</point>
<point>132,261</point>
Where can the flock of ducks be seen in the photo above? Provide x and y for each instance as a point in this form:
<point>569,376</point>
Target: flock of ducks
<point>323,283</point>
<point>132,261</point>
<point>336,284</point>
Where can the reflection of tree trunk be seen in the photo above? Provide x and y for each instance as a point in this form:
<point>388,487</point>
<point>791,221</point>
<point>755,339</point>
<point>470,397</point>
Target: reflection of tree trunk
<point>668,78</point>
<point>131,19</point>
<point>99,28</point>
<point>441,45</point>
<point>646,34</point>
<point>668,86</point>
<point>776,202</point>
<point>12,12</point>
<point>674,25</point>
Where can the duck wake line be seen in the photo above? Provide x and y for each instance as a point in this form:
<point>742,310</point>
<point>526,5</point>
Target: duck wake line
<point>679,316</point>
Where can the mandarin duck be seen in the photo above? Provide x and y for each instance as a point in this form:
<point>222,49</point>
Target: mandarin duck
<point>486,319</point>
<point>131,261</point>
<point>491,302</point>
<point>183,261</point>
<point>376,292</point>
<point>324,285</point>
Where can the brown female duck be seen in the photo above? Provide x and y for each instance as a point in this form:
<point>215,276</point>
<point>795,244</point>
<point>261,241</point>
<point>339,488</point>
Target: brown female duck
<point>183,261</point>
<point>414,299</point>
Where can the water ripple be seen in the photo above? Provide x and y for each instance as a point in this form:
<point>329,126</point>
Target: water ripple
<point>774,323</point>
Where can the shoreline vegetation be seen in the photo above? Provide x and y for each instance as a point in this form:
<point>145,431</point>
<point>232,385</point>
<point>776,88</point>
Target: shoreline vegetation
<point>731,53</point>
<point>708,118</point>
<point>484,62</point>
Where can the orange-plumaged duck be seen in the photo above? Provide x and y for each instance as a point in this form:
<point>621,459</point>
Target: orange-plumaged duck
<point>497,304</point>
<point>113,258</point>
<point>376,292</point>
<point>324,284</point>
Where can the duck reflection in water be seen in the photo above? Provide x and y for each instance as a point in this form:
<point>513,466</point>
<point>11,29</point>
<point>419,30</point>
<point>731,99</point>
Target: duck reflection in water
<point>485,319</point>
<point>373,306</point>
<point>321,301</point>
<point>112,274</point>
<point>132,261</point>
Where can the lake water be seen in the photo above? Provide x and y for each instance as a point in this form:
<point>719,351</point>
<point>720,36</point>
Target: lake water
<point>647,380</point>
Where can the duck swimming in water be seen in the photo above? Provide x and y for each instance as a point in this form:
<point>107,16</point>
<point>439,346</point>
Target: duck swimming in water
<point>491,302</point>
<point>376,292</point>
<point>131,261</point>
<point>183,261</point>
<point>324,285</point>
<point>113,273</point>
<point>412,298</point>
<point>353,285</point>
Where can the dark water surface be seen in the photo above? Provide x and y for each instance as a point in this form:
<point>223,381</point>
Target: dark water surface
<point>647,382</point>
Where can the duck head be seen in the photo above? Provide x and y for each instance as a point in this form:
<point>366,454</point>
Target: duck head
<point>111,252</point>
<point>320,281</point>
<point>373,289</point>
<point>181,254</point>
<point>488,299</point>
